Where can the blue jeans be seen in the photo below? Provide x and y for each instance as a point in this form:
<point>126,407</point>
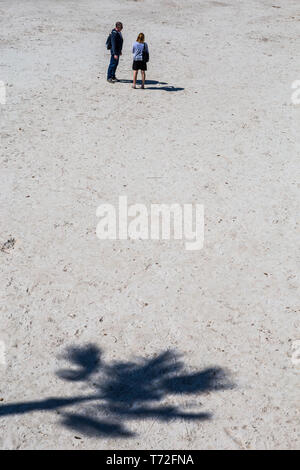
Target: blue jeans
<point>111,72</point>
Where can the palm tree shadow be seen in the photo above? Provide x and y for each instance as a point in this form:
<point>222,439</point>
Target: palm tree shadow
<point>86,359</point>
<point>89,426</point>
<point>124,391</point>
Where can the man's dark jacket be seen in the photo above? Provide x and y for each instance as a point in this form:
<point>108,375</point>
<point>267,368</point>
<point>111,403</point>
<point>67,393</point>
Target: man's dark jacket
<point>116,42</point>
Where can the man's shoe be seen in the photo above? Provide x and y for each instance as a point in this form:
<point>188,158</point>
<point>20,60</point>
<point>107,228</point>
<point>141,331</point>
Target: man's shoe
<point>110,80</point>
<point>115,79</point>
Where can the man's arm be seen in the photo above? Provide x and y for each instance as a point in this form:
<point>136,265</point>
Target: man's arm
<point>113,43</point>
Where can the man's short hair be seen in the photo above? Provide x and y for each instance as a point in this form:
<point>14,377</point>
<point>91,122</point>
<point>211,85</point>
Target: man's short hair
<point>119,24</point>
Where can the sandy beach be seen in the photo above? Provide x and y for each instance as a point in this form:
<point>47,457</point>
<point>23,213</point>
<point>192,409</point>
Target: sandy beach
<point>142,344</point>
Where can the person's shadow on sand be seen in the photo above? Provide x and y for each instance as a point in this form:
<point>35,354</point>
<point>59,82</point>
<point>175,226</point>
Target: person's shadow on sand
<point>164,87</point>
<point>124,391</point>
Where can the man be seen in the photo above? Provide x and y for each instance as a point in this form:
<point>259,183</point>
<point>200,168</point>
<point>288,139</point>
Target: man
<point>116,51</point>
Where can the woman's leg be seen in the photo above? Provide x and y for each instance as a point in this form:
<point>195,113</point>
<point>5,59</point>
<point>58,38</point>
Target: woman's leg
<point>143,78</point>
<point>135,72</point>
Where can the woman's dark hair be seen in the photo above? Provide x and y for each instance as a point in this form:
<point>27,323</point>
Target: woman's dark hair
<point>141,37</point>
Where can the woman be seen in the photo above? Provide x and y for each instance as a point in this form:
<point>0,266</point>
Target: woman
<point>140,58</point>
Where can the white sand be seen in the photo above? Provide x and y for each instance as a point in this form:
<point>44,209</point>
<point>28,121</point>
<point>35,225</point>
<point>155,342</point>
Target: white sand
<point>226,139</point>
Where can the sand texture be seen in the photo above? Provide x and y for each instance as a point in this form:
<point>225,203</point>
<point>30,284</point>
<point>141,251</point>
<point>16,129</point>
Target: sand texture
<point>142,344</point>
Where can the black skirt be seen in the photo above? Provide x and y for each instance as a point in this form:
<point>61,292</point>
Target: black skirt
<point>139,65</point>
